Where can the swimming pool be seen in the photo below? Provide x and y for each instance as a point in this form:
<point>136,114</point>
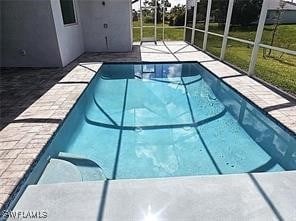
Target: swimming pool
<point>162,120</point>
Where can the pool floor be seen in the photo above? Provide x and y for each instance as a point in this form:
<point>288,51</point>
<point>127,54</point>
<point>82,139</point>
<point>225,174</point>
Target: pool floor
<point>165,121</point>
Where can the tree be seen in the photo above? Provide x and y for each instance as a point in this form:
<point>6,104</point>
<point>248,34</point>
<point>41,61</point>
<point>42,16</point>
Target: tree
<point>146,3</point>
<point>135,15</point>
<point>177,15</point>
<point>159,4</point>
<point>201,11</point>
<point>219,11</point>
<point>277,20</point>
<point>246,11</point>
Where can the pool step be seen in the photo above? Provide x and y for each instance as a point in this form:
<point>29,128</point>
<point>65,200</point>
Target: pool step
<point>60,171</point>
<point>69,167</point>
<point>90,171</point>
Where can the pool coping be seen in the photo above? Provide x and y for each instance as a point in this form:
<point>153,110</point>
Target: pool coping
<point>259,196</point>
<point>23,142</point>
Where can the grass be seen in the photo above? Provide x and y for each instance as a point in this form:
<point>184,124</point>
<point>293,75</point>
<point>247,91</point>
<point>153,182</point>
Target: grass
<point>198,39</point>
<point>285,36</point>
<point>279,72</point>
<point>278,69</point>
<point>171,34</point>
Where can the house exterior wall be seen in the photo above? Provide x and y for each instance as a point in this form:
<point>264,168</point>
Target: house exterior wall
<point>28,36</point>
<point>116,14</point>
<point>275,4</point>
<point>287,17</point>
<point>70,38</point>
<point>287,10</point>
<point>34,35</point>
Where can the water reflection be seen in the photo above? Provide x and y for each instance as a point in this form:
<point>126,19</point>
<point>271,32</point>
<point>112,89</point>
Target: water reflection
<point>163,162</point>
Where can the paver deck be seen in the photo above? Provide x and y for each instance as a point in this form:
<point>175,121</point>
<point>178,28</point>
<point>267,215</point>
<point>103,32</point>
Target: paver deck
<point>31,112</point>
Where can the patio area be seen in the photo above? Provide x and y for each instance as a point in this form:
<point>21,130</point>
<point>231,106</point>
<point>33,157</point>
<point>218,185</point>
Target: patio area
<point>21,87</point>
<point>36,101</point>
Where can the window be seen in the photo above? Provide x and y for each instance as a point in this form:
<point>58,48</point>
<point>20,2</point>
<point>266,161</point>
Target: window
<point>68,12</point>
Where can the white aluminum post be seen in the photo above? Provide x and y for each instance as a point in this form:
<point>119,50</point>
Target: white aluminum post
<point>141,17</point>
<point>226,30</point>
<point>185,21</point>
<point>194,22</point>
<point>204,46</point>
<point>155,19</point>
<point>259,33</point>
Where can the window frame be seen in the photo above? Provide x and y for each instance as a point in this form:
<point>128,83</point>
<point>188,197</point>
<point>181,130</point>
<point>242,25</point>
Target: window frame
<point>75,14</point>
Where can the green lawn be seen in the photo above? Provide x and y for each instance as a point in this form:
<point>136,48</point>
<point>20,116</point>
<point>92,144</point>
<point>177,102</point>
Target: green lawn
<point>285,36</point>
<point>278,69</point>
<point>171,34</point>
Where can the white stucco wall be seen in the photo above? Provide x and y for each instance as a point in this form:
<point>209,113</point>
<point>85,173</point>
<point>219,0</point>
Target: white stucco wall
<point>116,14</point>
<point>33,33</point>
<point>70,38</point>
<point>28,37</point>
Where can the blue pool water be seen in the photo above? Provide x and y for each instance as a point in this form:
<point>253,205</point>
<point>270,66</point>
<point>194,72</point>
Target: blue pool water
<point>174,119</point>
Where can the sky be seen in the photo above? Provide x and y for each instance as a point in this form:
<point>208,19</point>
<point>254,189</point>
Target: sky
<point>173,2</point>
<point>176,2</point>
